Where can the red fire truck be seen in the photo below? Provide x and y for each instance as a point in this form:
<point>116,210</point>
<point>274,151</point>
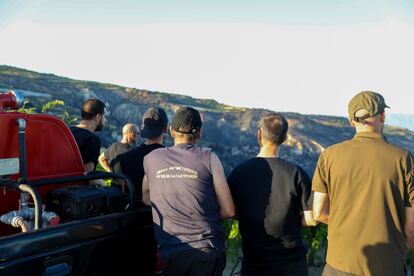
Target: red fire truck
<point>52,221</point>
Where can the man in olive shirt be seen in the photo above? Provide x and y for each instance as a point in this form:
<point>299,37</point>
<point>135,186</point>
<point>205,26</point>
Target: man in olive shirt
<point>364,189</point>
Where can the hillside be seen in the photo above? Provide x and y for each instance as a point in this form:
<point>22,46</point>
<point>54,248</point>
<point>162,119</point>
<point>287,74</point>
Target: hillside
<point>230,131</point>
<point>401,120</point>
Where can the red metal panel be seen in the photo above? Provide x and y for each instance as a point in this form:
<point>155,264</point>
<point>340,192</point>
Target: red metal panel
<point>51,152</point>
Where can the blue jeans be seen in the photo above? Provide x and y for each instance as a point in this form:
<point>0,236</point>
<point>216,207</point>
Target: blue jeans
<point>195,262</point>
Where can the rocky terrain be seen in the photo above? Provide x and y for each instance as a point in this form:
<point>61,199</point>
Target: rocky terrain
<point>230,131</point>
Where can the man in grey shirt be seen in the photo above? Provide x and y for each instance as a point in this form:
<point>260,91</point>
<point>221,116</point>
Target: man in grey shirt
<point>189,195</point>
<point>130,137</point>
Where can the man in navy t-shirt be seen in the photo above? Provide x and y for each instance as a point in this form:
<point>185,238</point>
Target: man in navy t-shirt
<point>153,129</point>
<point>92,119</point>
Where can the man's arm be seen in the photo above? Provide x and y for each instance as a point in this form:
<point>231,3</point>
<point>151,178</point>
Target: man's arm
<point>104,162</point>
<point>321,207</point>
<point>304,189</point>
<point>308,219</point>
<point>409,227</point>
<point>409,203</point>
<point>145,191</point>
<point>221,188</point>
<point>90,166</point>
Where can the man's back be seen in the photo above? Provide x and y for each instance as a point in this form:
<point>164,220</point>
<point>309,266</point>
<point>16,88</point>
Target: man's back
<point>366,179</point>
<point>116,149</point>
<point>131,164</point>
<point>89,144</point>
<point>185,211</point>
<point>270,195</point>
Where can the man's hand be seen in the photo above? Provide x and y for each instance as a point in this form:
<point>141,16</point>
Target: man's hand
<point>308,219</point>
<point>321,207</point>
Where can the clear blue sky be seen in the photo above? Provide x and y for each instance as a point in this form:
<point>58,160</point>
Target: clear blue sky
<point>303,56</point>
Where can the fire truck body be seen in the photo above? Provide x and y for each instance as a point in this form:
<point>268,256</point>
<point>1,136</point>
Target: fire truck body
<point>42,183</point>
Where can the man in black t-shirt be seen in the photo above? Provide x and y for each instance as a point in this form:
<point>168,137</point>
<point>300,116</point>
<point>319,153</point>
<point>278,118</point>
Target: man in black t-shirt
<point>153,128</point>
<point>92,119</point>
<point>130,136</point>
<point>273,200</point>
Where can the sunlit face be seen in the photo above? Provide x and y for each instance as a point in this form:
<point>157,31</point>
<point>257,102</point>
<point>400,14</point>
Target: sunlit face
<point>134,137</point>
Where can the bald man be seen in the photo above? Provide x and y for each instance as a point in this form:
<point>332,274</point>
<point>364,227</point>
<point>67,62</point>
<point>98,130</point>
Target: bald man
<point>130,136</point>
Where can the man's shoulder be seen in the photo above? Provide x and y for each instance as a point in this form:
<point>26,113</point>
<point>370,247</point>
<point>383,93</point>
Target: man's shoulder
<point>272,162</point>
<point>83,134</point>
<point>247,166</point>
<point>338,147</point>
<point>114,146</point>
<point>141,150</point>
<point>396,150</point>
<point>151,150</point>
<point>288,165</point>
<point>117,144</point>
<point>119,147</point>
<point>385,145</point>
<point>77,130</point>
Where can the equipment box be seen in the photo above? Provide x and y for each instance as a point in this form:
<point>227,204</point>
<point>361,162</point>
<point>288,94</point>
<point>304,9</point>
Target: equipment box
<point>76,202</point>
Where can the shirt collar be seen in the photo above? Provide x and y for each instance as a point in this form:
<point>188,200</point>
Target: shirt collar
<point>369,136</point>
<point>185,145</point>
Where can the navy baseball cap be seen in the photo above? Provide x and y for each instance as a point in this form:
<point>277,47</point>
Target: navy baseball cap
<point>154,122</point>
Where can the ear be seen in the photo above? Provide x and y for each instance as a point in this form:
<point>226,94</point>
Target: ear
<point>98,117</point>
<point>351,122</point>
<point>259,137</point>
<point>165,130</point>
<point>172,132</point>
<point>259,134</point>
<point>382,117</point>
<point>284,139</point>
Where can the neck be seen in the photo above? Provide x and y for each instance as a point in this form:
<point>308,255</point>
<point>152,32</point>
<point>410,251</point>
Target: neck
<point>269,150</point>
<point>89,125</point>
<point>184,141</point>
<point>124,140</point>
<point>368,128</point>
<point>158,140</point>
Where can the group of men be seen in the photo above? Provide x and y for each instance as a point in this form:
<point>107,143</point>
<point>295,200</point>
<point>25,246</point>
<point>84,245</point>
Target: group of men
<point>363,188</point>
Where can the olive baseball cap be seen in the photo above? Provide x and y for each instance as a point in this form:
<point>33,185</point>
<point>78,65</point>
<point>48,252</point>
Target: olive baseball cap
<point>154,122</point>
<point>186,120</point>
<point>366,104</point>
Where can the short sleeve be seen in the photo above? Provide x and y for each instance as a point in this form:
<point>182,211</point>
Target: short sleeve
<point>409,182</point>
<point>230,180</point>
<point>145,164</point>
<point>91,150</point>
<point>319,182</point>
<point>116,165</point>
<point>304,190</point>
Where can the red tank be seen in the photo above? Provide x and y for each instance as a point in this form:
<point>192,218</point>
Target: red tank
<point>51,152</point>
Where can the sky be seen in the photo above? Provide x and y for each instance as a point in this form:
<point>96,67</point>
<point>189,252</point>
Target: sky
<point>303,56</point>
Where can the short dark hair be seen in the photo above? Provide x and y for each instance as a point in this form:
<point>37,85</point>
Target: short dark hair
<point>91,108</point>
<point>274,128</point>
